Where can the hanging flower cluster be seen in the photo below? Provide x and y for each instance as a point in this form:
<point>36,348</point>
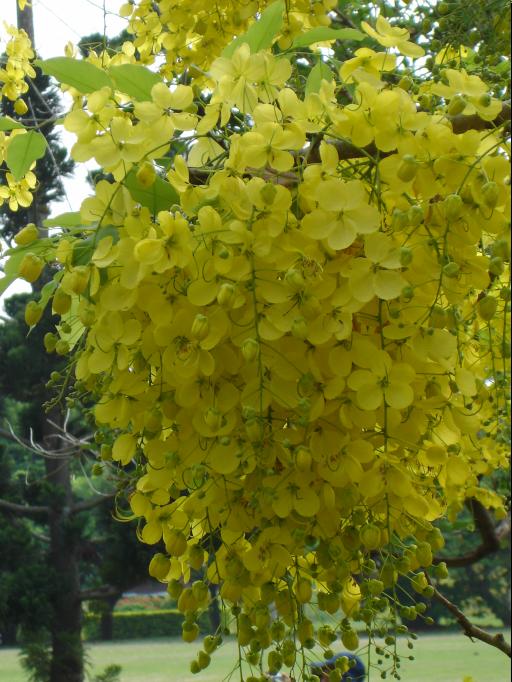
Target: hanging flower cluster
<point>16,190</point>
<point>192,33</point>
<point>294,336</point>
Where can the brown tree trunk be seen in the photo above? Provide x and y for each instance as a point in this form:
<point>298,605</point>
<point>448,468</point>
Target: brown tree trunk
<point>66,624</point>
<point>107,619</point>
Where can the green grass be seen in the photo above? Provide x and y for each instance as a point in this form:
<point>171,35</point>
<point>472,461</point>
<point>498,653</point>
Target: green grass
<point>439,658</point>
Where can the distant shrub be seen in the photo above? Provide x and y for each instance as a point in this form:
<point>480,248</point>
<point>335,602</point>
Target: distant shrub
<point>141,624</point>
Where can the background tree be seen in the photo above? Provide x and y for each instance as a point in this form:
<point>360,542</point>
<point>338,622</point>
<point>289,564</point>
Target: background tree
<point>356,154</point>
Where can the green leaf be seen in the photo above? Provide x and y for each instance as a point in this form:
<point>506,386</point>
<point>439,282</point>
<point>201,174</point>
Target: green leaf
<point>134,80</point>
<point>159,197</point>
<point>6,281</point>
<point>72,318</point>
<point>49,288</point>
<point>317,74</point>
<point>80,75</point>
<point>23,150</point>
<point>83,249</point>
<point>321,33</point>
<point>8,123</point>
<point>261,34</point>
<point>70,219</point>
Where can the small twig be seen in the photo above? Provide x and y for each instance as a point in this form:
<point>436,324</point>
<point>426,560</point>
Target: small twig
<point>473,631</point>
<point>91,502</point>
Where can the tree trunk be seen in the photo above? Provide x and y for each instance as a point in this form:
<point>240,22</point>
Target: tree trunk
<point>66,624</point>
<point>66,621</point>
<point>214,610</point>
<point>8,636</point>
<point>25,20</point>
<point>107,619</point>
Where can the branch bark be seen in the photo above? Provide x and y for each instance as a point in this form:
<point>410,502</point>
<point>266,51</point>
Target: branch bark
<point>473,631</point>
<point>490,534</point>
<point>460,124</point>
<point>90,503</point>
<point>24,509</point>
<point>103,592</point>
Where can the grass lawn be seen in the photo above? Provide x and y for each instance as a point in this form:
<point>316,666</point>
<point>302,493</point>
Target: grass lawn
<point>439,658</point>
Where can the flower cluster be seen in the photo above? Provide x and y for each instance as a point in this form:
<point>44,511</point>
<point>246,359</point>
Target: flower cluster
<point>17,67</point>
<point>293,336</point>
<point>189,33</point>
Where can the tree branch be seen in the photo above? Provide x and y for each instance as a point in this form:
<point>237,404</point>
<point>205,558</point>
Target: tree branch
<point>103,592</point>
<point>460,124</point>
<point>90,503</point>
<point>470,630</point>
<point>23,509</point>
<point>491,536</point>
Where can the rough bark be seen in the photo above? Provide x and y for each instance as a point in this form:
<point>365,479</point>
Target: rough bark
<point>107,619</point>
<point>66,623</point>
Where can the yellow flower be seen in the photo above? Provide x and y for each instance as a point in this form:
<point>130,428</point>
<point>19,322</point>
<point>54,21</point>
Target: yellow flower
<point>387,381</point>
<point>343,212</point>
<point>366,63</point>
<point>393,36</point>
<point>18,193</point>
<point>471,92</point>
<point>269,144</point>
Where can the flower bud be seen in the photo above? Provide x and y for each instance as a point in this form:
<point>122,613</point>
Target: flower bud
<point>226,295</point>
<point>268,193</point>
<point>415,215</point>
<point>406,83</point>
<point>213,418</point>
<point>451,270</point>
<point>87,317</point>
<point>250,349</point>
<point>408,168</point>
<point>299,328</point>
<point>159,566</point>
<point>175,543</point>
<point>490,193</point>
<point>20,107</point>
<point>27,235</point>
<point>50,341</point>
<point>487,307</point>
<point>31,267</point>
<point>62,347</point>
<point>33,313</point>
<point>61,302</point>
<point>200,327</point>
<point>405,256</point>
<point>453,206</point>
<point>78,279</point>
<point>295,280</point>
<point>303,459</point>
<point>437,317</point>
<point>457,105</point>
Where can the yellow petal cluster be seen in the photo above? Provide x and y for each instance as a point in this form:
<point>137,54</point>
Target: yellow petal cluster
<point>300,361</point>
